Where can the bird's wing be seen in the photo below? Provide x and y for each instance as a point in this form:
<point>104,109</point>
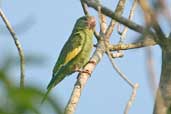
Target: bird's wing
<point>70,50</point>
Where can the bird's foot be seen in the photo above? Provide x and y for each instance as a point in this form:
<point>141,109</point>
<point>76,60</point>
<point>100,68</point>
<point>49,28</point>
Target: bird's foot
<point>92,62</point>
<point>83,71</point>
<point>86,71</point>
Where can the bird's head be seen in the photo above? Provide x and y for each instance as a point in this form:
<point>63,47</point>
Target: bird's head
<point>86,22</point>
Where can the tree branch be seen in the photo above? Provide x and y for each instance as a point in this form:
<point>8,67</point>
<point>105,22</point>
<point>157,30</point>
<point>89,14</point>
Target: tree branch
<point>132,98</point>
<point>151,76</point>
<point>85,9</point>
<point>140,44</point>
<point>84,6</point>
<point>151,20</point>
<point>18,45</point>
<point>97,56</point>
<point>123,76</point>
<point>120,19</point>
<point>131,14</point>
<point>119,10</point>
<point>82,79</point>
<point>163,96</point>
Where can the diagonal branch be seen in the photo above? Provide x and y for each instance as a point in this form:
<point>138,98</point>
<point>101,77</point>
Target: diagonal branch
<point>140,44</point>
<point>84,6</point>
<point>151,20</point>
<point>125,30</point>
<point>123,76</point>
<point>120,19</point>
<point>18,45</point>
<point>83,77</point>
<point>102,22</point>
<point>85,9</point>
<point>96,58</point>
<point>82,80</point>
<point>151,76</point>
<point>132,98</point>
<point>119,10</point>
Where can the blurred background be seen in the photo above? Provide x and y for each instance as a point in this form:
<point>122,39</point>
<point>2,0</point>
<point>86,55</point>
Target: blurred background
<point>42,28</point>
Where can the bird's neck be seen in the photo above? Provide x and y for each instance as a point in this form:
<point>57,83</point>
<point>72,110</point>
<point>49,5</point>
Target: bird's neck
<point>83,29</point>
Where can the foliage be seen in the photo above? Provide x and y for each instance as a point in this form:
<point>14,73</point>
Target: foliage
<point>15,100</point>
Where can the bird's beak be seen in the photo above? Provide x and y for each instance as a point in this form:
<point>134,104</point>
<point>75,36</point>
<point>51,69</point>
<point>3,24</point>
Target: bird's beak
<point>91,22</point>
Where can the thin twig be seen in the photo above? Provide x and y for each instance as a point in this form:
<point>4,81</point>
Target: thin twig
<point>83,78</point>
<point>102,21</point>
<point>84,6</point>
<point>130,24</point>
<point>121,19</point>
<point>144,43</point>
<point>132,98</point>
<point>97,36</point>
<point>18,45</point>
<point>117,55</point>
<point>106,45</point>
<point>123,76</point>
<point>119,10</point>
<point>119,29</point>
<point>85,9</point>
<point>125,30</point>
<point>162,7</point>
<point>103,30</point>
<point>151,77</point>
<point>151,20</point>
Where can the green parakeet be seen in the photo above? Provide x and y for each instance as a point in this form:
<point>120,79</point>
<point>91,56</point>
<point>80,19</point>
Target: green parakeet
<point>76,51</point>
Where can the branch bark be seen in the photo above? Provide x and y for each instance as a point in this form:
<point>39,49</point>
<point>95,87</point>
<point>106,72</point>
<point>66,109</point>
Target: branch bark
<point>101,49</point>
<point>119,11</point>
<point>130,24</point>
<point>119,18</point>
<point>163,97</point>
<point>140,44</point>
<point>18,45</point>
<point>151,20</point>
<point>82,79</point>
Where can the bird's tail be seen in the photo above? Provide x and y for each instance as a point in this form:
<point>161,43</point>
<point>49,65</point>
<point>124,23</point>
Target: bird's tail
<point>46,94</point>
<point>55,80</point>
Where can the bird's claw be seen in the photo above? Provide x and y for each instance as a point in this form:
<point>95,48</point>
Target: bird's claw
<point>86,71</point>
<point>92,62</point>
<point>83,71</point>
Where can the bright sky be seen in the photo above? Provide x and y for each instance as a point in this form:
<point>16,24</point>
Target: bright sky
<point>50,24</point>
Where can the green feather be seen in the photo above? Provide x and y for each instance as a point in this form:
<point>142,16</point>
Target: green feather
<point>75,52</point>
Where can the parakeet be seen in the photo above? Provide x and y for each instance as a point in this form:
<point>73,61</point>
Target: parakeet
<point>76,51</point>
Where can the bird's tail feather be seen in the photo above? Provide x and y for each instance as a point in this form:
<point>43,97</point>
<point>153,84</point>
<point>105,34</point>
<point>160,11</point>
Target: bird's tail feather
<point>55,80</point>
<point>46,94</point>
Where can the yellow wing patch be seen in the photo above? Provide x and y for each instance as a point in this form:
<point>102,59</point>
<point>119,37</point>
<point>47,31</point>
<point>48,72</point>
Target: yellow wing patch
<point>72,54</point>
